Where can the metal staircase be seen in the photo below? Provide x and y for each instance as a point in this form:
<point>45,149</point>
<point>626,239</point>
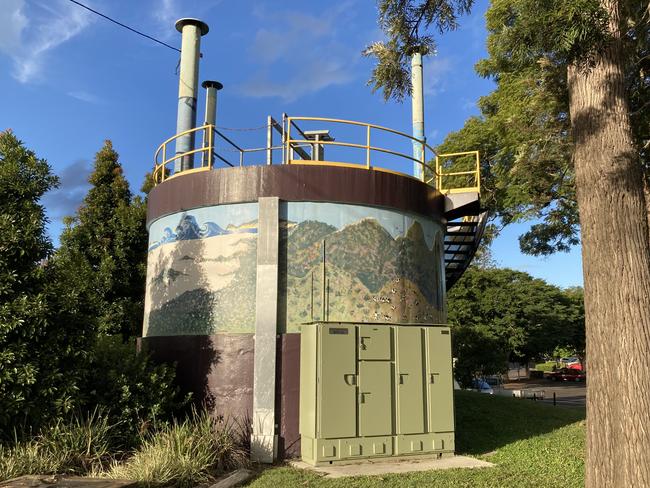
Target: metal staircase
<point>461,242</point>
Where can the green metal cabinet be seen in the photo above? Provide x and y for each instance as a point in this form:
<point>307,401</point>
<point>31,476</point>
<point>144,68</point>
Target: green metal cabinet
<point>375,390</point>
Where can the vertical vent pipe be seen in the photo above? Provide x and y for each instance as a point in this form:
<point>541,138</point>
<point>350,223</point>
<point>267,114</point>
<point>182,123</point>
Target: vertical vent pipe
<point>211,89</point>
<point>417,99</point>
<point>191,31</point>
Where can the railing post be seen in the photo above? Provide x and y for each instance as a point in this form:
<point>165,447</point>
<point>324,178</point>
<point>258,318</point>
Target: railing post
<point>438,175</point>
<point>288,141</point>
<point>269,140</point>
<point>164,163</point>
<point>210,145</point>
<point>241,158</point>
<point>422,167</point>
<point>285,154</point>
<point>368,147</point>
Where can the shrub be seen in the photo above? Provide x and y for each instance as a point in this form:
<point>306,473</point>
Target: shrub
<point>184,454</point>
<point>135,393</point>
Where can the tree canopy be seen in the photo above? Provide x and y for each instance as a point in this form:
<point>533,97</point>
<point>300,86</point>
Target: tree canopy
<point>524,130</point>
<point>104,247</point>
<point>526,316</point>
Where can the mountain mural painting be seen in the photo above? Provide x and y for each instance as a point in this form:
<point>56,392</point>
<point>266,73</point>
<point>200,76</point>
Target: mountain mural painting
<point>378,265</point>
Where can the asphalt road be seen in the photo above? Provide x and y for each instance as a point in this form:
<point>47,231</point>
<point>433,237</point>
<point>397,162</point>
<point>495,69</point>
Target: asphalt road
<point>568,394</point>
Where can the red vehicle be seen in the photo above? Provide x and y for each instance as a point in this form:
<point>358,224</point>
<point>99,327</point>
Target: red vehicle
<point>567,374</point>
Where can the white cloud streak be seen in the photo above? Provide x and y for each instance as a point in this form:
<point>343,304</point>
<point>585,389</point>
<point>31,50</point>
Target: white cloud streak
<point>29,37</point>
<point>166,13</point>
<point>306,51</point>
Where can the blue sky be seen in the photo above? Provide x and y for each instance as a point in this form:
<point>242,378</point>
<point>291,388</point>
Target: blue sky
<point>69,80</point>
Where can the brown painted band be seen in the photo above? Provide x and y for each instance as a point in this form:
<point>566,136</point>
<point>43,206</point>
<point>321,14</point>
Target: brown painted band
<point>295,182</point>
<point>218,371</point>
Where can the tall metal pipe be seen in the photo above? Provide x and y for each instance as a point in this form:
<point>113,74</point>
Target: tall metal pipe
<point>191,31</point>
<point>211,89</point>
<point>417,99</point>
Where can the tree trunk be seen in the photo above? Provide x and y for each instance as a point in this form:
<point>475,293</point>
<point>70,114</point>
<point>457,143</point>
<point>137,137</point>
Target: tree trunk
<point>616,257</point>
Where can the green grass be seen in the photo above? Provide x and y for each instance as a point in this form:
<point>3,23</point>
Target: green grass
<point>546,367</point>
<point>531,444</point>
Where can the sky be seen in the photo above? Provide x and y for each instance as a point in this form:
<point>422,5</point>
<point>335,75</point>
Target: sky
<point>70,79</point>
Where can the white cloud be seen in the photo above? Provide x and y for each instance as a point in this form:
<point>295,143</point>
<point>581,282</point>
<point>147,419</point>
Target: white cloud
<point>166,13</point>
<point>84,96</point>
<point>28,37</point>
<point>300,53</point>
<point>435,72</point>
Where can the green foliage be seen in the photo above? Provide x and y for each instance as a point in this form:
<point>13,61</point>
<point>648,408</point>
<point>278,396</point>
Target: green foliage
<point>131,390</point>
<point>526,316</point>
<point>524,131</point>
<point>478,353</point>
<point>405,23</point>
<point>529,443</point>
<point>39,350</point>
<point>77,445</point>
<point>103,249</point>
<point>183,454</point>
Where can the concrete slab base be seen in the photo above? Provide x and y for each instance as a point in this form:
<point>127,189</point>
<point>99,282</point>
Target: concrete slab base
<point>378,467</point>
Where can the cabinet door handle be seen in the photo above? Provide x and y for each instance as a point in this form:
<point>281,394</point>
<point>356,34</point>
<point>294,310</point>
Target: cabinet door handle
<point>402,378</point>
<point>432,377</point>
<point>350,379</point>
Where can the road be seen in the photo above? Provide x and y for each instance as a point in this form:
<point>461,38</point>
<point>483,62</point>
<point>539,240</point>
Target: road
<point>566,393</point>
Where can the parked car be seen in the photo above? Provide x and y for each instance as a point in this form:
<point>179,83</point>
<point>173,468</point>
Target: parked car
<point>567,374</point>
<point>482,386</point>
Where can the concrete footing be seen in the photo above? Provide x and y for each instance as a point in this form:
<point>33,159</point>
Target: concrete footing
<point>378,467</point>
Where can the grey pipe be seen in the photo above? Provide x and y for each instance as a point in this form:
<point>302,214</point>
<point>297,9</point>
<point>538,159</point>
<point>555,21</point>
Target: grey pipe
<point>211,89</point>
<point>417,98</point>
<point>191,31</point>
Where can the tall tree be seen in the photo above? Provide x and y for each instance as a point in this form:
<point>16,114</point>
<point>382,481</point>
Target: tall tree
<point>597,41</point>
<point>105,246</point>
<point>527,316</point>
<point>41,345</point>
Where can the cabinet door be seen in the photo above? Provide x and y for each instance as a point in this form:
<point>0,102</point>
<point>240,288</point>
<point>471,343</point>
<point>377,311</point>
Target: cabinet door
<point>374,342</point>
<point>410,380</point>
<point>337,398</point>
<point>440,380</point>
<point>375,398</point>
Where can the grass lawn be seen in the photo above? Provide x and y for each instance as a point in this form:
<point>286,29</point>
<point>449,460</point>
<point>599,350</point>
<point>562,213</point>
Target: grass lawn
<point>531,444</point>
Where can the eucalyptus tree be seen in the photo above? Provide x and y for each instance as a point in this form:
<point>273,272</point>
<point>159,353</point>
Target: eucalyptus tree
<point>595,52</point>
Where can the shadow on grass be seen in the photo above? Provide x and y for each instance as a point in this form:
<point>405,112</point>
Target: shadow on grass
<point>487,422</point>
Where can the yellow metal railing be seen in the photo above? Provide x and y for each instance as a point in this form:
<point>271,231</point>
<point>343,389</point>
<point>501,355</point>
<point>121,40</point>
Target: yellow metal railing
<point>452,173</point>
<point>162,171</point>
<point>292,143</point>
<point>463,181</point>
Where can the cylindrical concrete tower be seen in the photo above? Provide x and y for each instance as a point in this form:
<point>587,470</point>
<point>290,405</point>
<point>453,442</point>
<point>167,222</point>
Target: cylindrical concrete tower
<point>242,258</point>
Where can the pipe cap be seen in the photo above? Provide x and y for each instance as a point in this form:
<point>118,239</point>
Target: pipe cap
<point>180,23</point>
<point>212,84</point>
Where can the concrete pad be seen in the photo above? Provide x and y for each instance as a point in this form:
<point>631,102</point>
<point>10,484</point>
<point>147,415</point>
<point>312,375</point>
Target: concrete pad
<point>376,467</point>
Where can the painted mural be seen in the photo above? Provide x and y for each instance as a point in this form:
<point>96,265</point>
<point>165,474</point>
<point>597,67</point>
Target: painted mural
<point>338,262</point>
<point>379,265</point>
<point>201,272</point>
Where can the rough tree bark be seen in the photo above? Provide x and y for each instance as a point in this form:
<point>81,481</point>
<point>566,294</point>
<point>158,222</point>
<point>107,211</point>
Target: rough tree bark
<point>616,257</point>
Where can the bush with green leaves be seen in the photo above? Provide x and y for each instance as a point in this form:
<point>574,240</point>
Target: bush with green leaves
<point>42,344</point>
<point>134,392</point>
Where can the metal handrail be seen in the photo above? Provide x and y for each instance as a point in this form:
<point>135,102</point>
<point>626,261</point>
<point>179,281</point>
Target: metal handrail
<point>440,174</point>
<point>289,146</point>
<point>291,143</point>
